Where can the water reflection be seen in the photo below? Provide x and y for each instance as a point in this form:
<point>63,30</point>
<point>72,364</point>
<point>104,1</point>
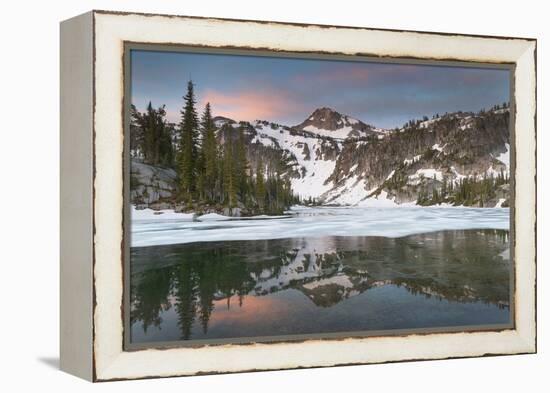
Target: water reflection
<point>306,285</point>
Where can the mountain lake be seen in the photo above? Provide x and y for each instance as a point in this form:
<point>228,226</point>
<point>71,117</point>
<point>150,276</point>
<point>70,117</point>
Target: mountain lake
<point>317,271</point>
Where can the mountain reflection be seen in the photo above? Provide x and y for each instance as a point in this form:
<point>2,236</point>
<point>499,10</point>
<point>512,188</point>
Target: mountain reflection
<point>195,280</point>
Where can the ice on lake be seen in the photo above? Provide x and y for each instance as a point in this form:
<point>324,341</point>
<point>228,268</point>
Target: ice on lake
<point>149,229</point>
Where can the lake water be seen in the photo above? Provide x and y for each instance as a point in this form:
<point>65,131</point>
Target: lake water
<point>294,285</point>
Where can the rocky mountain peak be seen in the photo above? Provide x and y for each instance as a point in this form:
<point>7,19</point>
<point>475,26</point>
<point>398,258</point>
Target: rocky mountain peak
<point>221,120</point>
<point>326,121</point>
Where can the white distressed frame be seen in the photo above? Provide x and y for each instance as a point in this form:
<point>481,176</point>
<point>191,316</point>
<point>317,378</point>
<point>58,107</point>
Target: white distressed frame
<point>111,30</point>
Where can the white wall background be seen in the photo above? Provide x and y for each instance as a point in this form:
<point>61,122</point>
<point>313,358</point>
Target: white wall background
<point>29,183</point>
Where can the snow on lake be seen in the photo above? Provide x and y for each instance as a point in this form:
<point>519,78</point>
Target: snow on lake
<point>149,229</point>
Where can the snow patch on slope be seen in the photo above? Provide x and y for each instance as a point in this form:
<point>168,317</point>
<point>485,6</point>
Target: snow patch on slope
<point>438,147</point>
<point>341,133</point>
<point>429,173</point>
<point>505,157</point>
<point>340,280</point>
<point>317,171</point>
<point>409,161</point>
<point>313,183</point>
<point>351,193</point>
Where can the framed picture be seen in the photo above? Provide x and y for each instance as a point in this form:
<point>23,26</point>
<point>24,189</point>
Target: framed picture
<point>246,195</point>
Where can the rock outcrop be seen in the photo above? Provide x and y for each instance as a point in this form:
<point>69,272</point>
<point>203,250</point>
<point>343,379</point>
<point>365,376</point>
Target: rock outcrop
<point>150,184</point>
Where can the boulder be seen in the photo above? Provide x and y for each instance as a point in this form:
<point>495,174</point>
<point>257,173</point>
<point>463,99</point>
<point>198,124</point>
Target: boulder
<point>149,184</point>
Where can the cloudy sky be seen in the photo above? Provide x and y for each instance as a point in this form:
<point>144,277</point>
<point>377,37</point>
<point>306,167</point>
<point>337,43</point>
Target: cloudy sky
<point>286,90</point>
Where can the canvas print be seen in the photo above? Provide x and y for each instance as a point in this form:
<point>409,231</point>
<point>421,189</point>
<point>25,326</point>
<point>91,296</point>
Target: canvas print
<point>275,198</point>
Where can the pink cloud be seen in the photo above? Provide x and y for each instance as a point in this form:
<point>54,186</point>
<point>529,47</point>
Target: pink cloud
<point>348,73</point>
<point>254,309</point>
<point>248,104</point>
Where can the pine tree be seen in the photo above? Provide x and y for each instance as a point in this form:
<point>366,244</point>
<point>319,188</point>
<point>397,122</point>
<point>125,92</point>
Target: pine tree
<point>260,184</point>
<point>151,136</point>
<point>164,134</point>
<point>188,145</point>
<point>149,140</point>
<point>241,166</point>
<point>136,133</point>
<point>229,183</point>
<point>209,154</point>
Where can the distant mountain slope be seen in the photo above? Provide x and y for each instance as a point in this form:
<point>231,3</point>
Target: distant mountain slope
<point>420,158</point>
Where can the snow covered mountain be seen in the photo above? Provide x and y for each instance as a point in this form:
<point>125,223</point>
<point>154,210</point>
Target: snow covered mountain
<point>425,156</point>
<point>334,159</point>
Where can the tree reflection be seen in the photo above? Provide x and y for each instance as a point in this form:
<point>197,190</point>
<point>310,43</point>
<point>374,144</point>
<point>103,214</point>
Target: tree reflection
<point>460,266</point>
<point>150,297</point>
